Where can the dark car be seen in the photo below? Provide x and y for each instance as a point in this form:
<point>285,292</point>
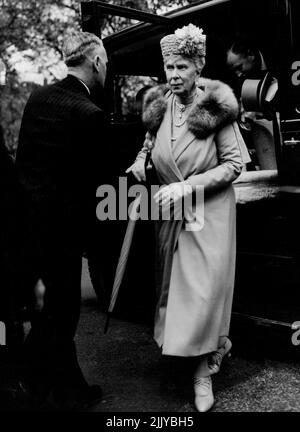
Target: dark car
<point>268,242</point>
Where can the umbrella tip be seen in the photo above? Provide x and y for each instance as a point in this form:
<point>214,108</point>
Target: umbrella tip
<point>107,322</point>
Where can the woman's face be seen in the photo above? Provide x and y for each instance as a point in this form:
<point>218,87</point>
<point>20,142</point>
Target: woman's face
<point>181,75</point>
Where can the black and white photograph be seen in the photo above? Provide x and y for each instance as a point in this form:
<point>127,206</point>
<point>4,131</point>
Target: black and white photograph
<point>149,209</point>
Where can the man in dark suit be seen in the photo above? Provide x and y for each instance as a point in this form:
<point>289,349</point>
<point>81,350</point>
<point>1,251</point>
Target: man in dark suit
<point>58,156</point>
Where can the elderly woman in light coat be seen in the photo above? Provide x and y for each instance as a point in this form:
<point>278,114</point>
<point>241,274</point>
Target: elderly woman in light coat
<point>196,146</point>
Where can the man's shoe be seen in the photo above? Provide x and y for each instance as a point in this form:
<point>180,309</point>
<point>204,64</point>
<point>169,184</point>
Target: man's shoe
<point>216,358</point>
<point>204,398</point>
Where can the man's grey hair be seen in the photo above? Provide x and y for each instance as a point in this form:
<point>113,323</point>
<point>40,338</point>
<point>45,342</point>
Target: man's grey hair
<point>78,46</point>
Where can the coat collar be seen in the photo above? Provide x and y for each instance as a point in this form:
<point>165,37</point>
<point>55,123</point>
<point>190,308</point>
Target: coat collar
<point>73,84</point>
<point>215,108</point>
<point>164,136</point>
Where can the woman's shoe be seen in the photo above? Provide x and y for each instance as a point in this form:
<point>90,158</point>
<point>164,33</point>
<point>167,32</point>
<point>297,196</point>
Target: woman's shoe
<point>204,398</point>
<point>216,357</point>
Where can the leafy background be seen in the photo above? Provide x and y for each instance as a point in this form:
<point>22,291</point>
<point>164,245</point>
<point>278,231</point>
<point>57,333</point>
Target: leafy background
<point>31,34</point>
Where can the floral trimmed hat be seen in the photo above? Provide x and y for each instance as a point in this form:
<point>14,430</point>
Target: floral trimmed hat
<point>188,41</point>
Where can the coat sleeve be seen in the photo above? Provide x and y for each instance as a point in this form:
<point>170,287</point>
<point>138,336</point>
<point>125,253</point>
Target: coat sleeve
<point>243,148</point>
<point>230,162</point>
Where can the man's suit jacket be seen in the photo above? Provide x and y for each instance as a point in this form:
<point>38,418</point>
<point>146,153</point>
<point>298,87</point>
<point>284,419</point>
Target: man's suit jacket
<point>57,160</point>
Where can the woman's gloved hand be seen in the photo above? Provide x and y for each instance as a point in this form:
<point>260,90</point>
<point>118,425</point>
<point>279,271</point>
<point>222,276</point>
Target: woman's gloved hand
<point>138,169</point>
<point>172,193</point>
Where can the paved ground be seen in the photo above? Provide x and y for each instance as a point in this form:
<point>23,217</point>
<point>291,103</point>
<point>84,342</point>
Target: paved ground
<point>262,375</point>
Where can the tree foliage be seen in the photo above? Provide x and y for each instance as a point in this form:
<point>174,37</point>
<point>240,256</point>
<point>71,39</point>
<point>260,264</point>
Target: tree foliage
<point>33,31</point>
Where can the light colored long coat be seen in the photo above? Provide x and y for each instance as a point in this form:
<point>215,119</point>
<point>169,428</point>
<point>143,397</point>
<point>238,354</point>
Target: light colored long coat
<point>195,269</point>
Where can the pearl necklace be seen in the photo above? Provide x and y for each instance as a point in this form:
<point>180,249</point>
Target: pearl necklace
<point>181,108</point>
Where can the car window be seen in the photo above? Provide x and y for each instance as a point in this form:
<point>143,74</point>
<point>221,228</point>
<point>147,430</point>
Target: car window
<point>127,89</point>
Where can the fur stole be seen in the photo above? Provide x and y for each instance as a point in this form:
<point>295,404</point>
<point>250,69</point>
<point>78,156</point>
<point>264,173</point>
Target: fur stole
<point>216,108</point>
